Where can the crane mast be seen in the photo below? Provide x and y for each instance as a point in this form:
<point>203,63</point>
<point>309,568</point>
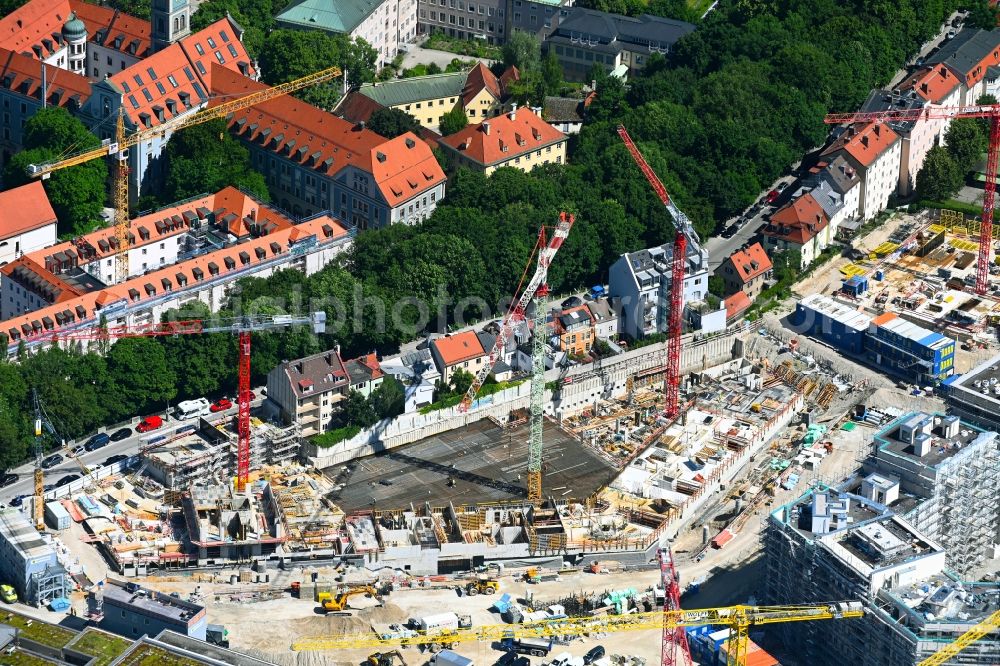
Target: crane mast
<point>990,112</point>
<point>243,327</point>
<point>683,237</point>
<point>672,638</point>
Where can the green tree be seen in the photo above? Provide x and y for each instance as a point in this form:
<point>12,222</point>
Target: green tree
<point>461,380</point>
<point>136,8</point>
<point>206,158</point>
<point>965,142</point>
<point>552,74</point>
<point>204,362</point>
<point>356,410</point>
<point>981,15</point>
<point>524,51</point>
<point>139,370</point>
<point>290,54</point>
<point>453,121</point>
<point>717,286</point>
<point>77,194</point>
<point>391,123</point>
<point>940,177</point>
<point>389,399</point>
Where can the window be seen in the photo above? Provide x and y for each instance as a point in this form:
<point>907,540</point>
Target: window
<point>461,21</point>
<point>211,43</point>
<point>218,56</point>
<point>109,60</point>
<point>434,16</point>
<point>199,49</point>
<point>172,80</point>
<point>451,19</point>
<point>138,80</point>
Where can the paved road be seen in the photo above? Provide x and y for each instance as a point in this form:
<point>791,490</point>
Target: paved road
<point>129,447</point>
<point>929,46</point>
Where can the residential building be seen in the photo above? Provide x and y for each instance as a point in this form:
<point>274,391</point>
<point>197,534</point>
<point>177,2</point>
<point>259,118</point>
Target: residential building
<point>519,139</point>
<point>418,374</point>
<point>801,226</point>
<point>903,348</point>
<point>314,161</point>
<point>385,24</point>
<point>566,114</point>
<point>969,55</point>
<point>172,83</point>
<point>134,611</point>
<point>736,305</point>
<point>357,109</point>
<point>939,87</point>
<point>194,250</point>
<point>747,270</point>
<point>455,351</point>
<point>605,318</point>
<point>574,328</point>
<point>950,470</point>
<point>28,561</point>
<point>484,19</point>
<point>485,94</point>
<point>975,395</point>
<point>364,373</point>
<point>836,186</point>
<point>308,391</point>
<point>27,222</point>
<point>874,151</point>
<point>916,136</point>
<point>585,37</point>
<point>639,285</point>
<point>707,316</point>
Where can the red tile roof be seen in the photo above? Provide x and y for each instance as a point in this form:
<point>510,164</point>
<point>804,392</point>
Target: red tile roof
<point>481,77</point>
<point>114,30</point>
<point>36,28</point>
<point>933,83</point>
<point>865,143</point>
<point>504,137</point>
<point>798,222</point>
<point>458,347</point>
<point>751,262</point>
<point>204,267</point>
<point>357,108</point>
<point>403,167</point>
<point>23,75</point>
<point>736,305</point>
<point>24,208</point>
<point>178,78</point>
<point>29,273</point>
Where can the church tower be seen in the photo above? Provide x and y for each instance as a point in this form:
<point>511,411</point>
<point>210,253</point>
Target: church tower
<point>171,21</point>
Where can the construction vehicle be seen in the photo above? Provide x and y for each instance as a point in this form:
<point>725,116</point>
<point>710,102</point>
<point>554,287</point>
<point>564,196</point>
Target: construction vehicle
<point>8,594</point>
<point>738,618</point>
<point>483,584</point>
<point>385,658</point>
<point>337,603</point>
<point>947,653</point>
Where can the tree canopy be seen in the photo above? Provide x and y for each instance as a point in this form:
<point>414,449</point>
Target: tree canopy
<point>206,158</point>
<point>391,123</point>
<point>287,55</point>
<point>453,121</point>
<point>939,177</point>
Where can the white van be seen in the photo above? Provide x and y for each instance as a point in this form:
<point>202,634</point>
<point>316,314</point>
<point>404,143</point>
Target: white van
<point>192,409</point>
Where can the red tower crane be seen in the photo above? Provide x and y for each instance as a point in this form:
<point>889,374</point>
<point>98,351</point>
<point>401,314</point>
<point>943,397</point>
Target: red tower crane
<point>673,637</point>
<point>684,236</point>
<point>242,327</point>
<point>990,112</point>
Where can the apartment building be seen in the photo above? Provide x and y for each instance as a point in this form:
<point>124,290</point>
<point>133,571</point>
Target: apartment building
<point>916,136</point>
<point>587,37</point>
<point>874,151</point>
<point>314,161</point>
<point>28,562</point>
<point>27,222</point>
<point>800,226</point>
<point>456,351</point>
<point>194,250</point>
<point>518,138</point>
<point>384,24</point>
<point>365,373</point>
<point>308,391</point>
<point>639,284</point>
<point>836,187</point>
<point>747,270</point>
<point>574,328</point>
<point>948,470</point>
<point>969,55</point>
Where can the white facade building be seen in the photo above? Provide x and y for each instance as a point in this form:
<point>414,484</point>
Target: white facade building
<point>27,221</point>
<point>874,150</point>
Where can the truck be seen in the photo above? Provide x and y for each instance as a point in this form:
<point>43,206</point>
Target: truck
<point>438,622</point>
<point>536,647</point>
<point>449,658</point>
<point>149,423</point>
<point>192,409</point>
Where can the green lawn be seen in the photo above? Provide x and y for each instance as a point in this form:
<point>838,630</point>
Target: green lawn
<point>334,436</point>
<point>150,655</point>
<point>38,631</point>
<point>106,647</point>
<point>18,658</point>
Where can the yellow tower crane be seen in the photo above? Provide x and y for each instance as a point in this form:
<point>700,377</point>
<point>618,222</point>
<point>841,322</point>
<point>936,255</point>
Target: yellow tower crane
<point>119,149</point>
<point>739,619</point>
<point>944,655</point>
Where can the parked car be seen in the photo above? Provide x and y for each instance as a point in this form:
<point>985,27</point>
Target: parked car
<point>7,479</point>
<point>772,196</point>
<point>595,653</point>
<point>52,461</point>
<point>17,500</point>
<point>221,405</point>
<point>99,440</point>
<point>149,423</point>
<point>572,302</point>
<point>114,459</point>
<point>48,486</point>
<point>122,433</point>
<point>69,478</point>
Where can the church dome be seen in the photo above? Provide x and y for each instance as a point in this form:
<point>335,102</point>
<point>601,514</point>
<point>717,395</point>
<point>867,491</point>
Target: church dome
<point>74,29</point>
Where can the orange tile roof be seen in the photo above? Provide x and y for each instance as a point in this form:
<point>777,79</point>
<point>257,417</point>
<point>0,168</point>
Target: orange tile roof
<point>27,271</point>
<point>751,262</point>
<point>24,208</point>
<point>23,75</point>
<point>403,167</point>
<point>933,83</point>
<point>736,304</point>
<point>509,75</point>
<point>884,318</point>
<point>458,347</point>
<point>206,266</point>
<point>170,82</point>
<point>480,77</point>
<point>864,143</point>
<point>36,28</point>
<point>503,138</point>
<point>799,221</point>
<point>114,30</point>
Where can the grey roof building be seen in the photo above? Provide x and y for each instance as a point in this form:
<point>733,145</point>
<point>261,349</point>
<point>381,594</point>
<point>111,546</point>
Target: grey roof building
<point>308,391</point>
<point>28,561</point>
<point>134,611</point>
<point>415,89</point>
<point>968,55</point>
<point>586,37</point>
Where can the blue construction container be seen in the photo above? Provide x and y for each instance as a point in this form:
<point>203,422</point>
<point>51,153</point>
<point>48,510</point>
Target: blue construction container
<point>923,357</point>
<point>855,286</point>
<point>879,275</point>
<point>842,326</point>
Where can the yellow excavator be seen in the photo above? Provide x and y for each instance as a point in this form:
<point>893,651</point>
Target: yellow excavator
<point>385,659</point>
<point>482,584</point>
<point>337,603</point>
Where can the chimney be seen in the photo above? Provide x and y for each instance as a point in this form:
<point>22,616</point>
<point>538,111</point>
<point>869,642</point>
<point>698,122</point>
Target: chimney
<point>864,141</point>
<point>253,214</point>
<point>513,111</point>
<point>486,127</point>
